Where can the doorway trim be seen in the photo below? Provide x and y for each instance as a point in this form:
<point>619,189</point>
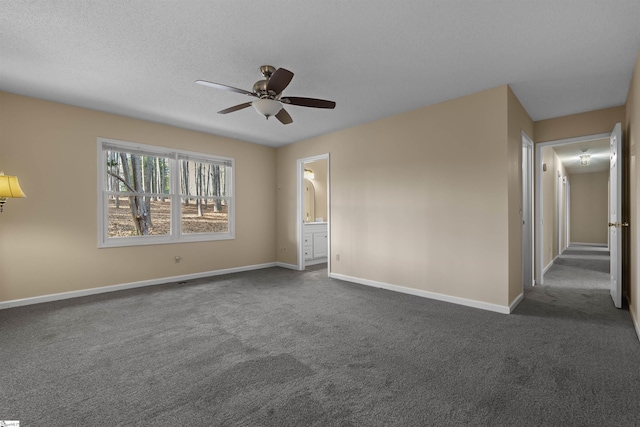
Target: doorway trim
<point>560,202</point>
<point>528,264</point>
<point>300,208</point>
<point>567,213</point>
<point>538,191</point>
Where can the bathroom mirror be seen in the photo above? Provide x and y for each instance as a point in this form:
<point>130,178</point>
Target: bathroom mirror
<point>309,201</point>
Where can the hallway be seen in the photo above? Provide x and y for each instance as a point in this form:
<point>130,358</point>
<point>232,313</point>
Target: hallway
<point>578,285</point>
<point>583,267</point>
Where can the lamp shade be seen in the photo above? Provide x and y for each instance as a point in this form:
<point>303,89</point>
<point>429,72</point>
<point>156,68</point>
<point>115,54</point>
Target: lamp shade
<point>9,186</point>
<point>267,107</point>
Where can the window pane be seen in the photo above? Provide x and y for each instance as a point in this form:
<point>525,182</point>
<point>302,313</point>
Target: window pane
<point>205,215</point>
<point>138,173</point>
<point>204,179</point>
<point>149,216</point>
<point>141,186</point>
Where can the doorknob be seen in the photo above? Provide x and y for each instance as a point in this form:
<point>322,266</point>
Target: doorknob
<point>617,224</point>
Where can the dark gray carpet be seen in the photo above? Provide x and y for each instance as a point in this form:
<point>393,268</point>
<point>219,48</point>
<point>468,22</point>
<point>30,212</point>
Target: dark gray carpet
<point>580,267</point>
<point>586,251</point>
<point>277,347</point>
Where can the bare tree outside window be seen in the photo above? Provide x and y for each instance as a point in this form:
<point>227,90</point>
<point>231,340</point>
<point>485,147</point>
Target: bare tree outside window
<point>139,200</point>
<point>203,182</point>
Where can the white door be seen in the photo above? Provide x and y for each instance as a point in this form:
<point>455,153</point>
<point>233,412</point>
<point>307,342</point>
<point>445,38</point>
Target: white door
<point>615,215</point>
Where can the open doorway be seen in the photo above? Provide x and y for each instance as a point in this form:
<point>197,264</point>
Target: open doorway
<point>573,204</point>
<point>313,212</point>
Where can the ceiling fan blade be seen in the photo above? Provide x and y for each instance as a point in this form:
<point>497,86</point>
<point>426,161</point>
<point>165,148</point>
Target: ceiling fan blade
<point>308,102</point>
<point>284,117</point>
<point>225,87</point>
<point>235,108</point>
<point>279,80</point>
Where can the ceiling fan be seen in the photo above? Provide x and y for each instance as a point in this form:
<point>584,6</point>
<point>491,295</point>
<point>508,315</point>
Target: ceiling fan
<point>268,92</point>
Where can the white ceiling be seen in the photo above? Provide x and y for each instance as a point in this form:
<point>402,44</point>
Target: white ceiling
<point>374,59</point>
<point>598,151</point>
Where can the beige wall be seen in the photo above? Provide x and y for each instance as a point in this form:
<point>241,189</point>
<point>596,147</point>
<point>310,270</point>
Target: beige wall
<point>48,241</point>
<point>589,123</point>
<point>589,207</point>
<point>421,199</point>
<point>632,138</point>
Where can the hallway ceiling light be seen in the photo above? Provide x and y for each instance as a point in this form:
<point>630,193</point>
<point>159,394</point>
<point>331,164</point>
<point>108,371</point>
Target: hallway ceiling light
<point>585,158</point>
<point>308,174</point>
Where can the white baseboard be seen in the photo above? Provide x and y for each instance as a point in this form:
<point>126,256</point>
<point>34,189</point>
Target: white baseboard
<point>588,244</point>
<point>289,266</point>
<point>161,281</point>
<point>124,286</point>
<point>426,294</point>
<point>634,319</point>
<point>315,261</point>
<point>544,270</point>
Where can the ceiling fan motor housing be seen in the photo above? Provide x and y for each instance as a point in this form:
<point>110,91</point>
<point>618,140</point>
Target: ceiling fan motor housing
<point>260,88</point>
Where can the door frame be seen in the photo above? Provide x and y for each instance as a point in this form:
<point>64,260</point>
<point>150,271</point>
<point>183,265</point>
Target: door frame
<point>300,208</point>
<point>539,267</point>
<point>567,213</point>
<point>560,202</point>
<point>528,259</point>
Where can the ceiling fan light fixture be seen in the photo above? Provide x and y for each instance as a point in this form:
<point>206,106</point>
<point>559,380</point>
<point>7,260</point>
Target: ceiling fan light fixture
<point>267,107</point>
<point>268,93</point>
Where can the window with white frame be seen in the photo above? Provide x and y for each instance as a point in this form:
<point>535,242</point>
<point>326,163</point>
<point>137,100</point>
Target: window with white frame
<point>150,195</point>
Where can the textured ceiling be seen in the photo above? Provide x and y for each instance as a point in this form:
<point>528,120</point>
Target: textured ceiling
<point>374,58</point>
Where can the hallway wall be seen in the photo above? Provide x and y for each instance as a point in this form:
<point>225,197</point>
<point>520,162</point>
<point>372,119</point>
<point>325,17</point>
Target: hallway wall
<point>582,124</point>
<point>632,136</point>
<point>550,189</point>
<point>589,207</point>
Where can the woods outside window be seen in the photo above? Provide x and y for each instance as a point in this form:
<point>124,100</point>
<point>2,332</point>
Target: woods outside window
<point>150,195</point>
